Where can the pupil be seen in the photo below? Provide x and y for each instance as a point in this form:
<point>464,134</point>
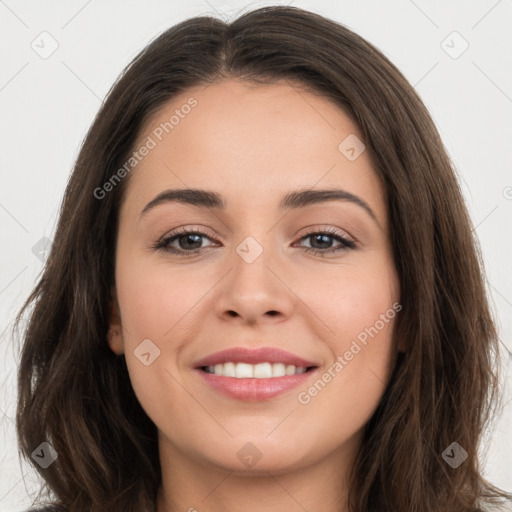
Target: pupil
<point>188,238</point>
<point>324,237</point>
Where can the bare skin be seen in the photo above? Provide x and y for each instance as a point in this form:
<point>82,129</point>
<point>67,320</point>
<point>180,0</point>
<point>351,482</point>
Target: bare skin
<point>254,144</point>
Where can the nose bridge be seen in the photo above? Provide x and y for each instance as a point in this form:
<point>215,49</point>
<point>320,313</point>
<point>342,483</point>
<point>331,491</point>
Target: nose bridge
<point>252,288</point>
<point>258,247</point>
<point>252,259</point>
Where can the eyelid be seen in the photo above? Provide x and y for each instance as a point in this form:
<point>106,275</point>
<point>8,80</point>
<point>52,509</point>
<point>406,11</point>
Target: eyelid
<point>328,229</point>
<point>184,230</point>
<point>315,229</point>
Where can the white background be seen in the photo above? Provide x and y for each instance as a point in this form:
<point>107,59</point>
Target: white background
<point>48,104</point>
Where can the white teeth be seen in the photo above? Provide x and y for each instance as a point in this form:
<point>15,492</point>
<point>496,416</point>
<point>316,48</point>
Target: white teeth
<point>257,371</point>
<point>262,371</point>
<point>228,370</point>
<point>243,371</point>
<point>278,370</point>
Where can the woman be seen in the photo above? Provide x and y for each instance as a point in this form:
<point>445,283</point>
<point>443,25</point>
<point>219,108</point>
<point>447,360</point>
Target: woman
<point>257,368</point>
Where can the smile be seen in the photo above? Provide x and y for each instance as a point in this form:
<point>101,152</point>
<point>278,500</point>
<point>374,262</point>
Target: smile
<point>256,371</point>
<point>254,374</point>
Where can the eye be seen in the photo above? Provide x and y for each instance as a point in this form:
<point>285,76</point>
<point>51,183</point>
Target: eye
<point>189,241</point>
<point>321,244</point>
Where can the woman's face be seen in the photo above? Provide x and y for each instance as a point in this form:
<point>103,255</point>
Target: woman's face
<point>255,281</point>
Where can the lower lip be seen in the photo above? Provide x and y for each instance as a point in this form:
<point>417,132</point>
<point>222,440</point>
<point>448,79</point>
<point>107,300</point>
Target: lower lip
<point>254,389</point>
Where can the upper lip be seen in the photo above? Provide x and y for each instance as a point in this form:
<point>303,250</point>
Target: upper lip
<point>253,356</point>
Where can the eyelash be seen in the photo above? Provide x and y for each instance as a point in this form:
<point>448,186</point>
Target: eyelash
<point>163,244</point>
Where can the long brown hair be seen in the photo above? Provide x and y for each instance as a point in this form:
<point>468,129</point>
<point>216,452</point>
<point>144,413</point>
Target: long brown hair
<point>75,393</point>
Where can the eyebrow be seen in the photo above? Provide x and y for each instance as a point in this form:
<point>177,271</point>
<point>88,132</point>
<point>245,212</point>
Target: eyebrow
<point>292,200</point>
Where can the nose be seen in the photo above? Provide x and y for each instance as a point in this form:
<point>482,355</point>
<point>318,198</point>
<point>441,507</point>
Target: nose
<point>255,290</point>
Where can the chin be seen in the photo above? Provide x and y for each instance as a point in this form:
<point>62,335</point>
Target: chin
<point>254,455</point>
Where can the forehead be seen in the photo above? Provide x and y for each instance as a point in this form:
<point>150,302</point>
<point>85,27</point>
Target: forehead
<point>252,143</point>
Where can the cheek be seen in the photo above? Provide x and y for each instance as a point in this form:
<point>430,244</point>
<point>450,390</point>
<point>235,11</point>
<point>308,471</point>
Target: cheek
<point>357,307</point>
<point>155,302</point>
<point>347,393</point>
<point>351,299</point>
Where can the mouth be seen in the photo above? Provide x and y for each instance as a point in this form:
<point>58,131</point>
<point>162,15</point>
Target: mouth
<point>254,375</point>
